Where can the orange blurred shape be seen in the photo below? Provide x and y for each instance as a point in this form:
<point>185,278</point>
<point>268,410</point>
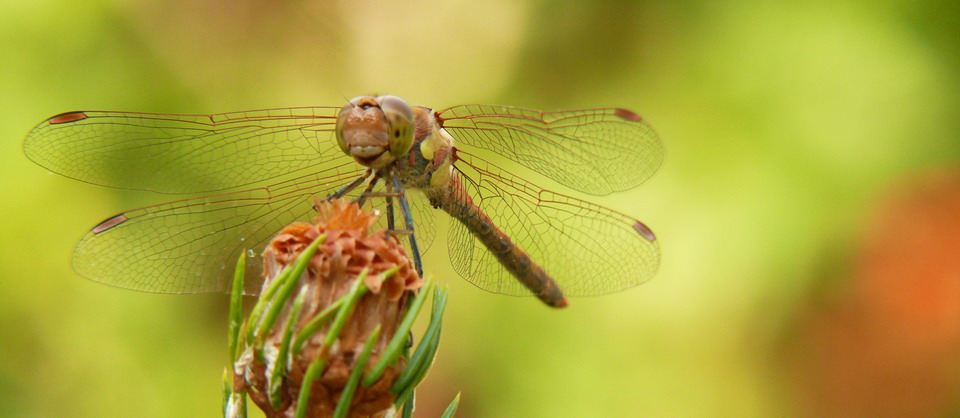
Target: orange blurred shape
<point>890,344</point>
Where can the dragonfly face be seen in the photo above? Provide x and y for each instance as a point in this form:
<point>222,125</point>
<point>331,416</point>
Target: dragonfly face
<point>248,174</point>
<point>375,130</point>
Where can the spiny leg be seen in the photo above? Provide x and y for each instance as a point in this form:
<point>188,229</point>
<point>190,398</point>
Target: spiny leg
<point>389,194</point>
<point>391,224</point>
<point>368,192</point>
<point>408,220</point>
<point>349,186</point>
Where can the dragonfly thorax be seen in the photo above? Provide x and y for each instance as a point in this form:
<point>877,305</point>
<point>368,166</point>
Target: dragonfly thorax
<point>429,163</point>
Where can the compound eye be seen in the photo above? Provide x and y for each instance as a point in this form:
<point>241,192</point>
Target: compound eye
<point>341,119</point>
<point>394,104</point>
<point>399,116</point>
<point>354,102</point>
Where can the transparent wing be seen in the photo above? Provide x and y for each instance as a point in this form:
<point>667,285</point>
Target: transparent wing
<point>191,246</point>
<point>424,219</point>
<point>187,153</point>
<point>423,215</point>
<point>595,151</point>
<point>588,249</point>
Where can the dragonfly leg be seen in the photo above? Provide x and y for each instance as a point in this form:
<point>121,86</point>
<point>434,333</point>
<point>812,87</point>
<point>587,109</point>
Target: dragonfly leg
<point>350,186</point>
<point>386,194</point>
<point>408,220</point>
<point>368,191</point>
<point>391,220</point>
<point>391,223</point>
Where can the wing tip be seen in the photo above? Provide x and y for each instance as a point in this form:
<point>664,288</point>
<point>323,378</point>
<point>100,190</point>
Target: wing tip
<point>109,223</point>
<point>644,231</point>
<point>67,117</point>
<point>627,114</point>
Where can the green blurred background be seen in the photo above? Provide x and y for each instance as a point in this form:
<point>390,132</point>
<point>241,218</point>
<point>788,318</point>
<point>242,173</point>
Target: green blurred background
<point>808,207</point>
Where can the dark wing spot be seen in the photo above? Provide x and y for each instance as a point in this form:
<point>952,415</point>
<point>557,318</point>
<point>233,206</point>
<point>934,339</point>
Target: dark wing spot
<point>644,231</point>
<point>67,117</point>
<point>109,223</point>
<point>627,114</point>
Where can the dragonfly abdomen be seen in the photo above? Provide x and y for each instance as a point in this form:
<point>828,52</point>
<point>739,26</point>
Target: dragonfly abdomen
<point>456,202</point>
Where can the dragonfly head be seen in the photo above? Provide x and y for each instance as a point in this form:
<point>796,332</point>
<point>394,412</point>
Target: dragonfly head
<point>375,130</point>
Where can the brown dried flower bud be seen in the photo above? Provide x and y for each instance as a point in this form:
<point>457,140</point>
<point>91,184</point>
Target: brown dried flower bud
<point>332,272</point>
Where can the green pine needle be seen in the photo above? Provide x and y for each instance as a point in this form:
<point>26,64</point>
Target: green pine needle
<point>316,368</point>
<point>280,365</point>
<point>343,405</point>
<point>358,289</point>
<point>280,282</point>
<point>315,324</point>
<point>409,406</point>
<point>236,309</point>
<point>290,282</point>
<point>423,356</point>
<point>313,373</point>
<point>452,408</point>
<point>399,340</point>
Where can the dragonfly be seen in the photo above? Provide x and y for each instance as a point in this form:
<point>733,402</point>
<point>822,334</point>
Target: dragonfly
<point>243,176</point>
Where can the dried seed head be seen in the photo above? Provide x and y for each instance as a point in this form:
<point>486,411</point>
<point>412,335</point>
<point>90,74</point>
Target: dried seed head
<point>332,272</point>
